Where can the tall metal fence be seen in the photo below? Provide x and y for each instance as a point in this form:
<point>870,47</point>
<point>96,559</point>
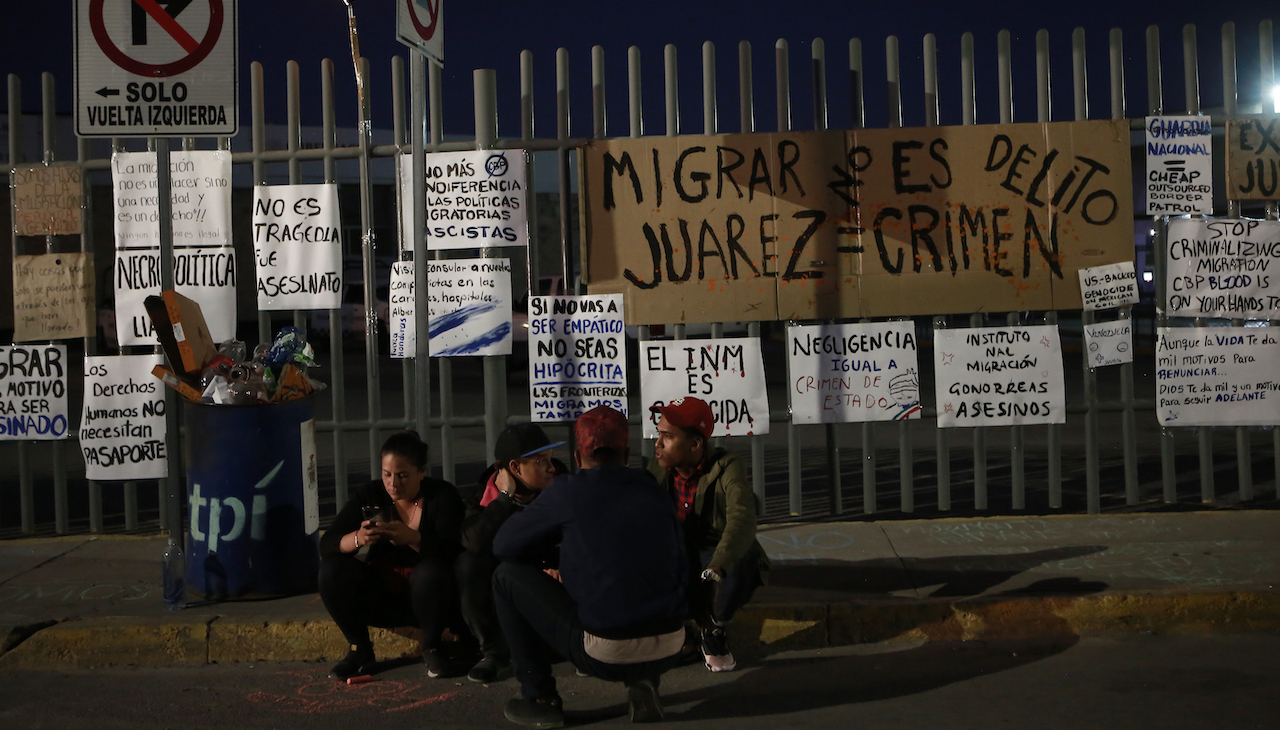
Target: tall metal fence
<point>1110,454</point>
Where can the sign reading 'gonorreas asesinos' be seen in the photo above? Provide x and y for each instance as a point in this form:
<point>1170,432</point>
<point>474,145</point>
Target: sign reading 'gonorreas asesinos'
<point>999,376</point>
<point>297,246</point>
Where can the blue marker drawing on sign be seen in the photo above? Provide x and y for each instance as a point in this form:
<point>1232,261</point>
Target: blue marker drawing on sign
<point>492,337</point>
<point>459,317</point>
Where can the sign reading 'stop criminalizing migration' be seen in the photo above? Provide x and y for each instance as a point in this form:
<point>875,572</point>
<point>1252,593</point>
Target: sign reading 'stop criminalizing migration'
<point>148,68</point>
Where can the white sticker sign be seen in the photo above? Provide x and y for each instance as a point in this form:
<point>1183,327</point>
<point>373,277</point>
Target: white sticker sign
<point>999,376</point>
<point>1108,287</point>
<point>1108,343</point>
<point>33,393</point>
<point>1222,268</point>
<point>122,427</point>
<point>469,304</point>
<point>404,330</point>
<point>297,245</point>
<point>420,24</point>
<point>726,373</point>
<point>1179,166</point>
<point>1217,376</point>
<point>204,261</point>
<point>476,199</point>
<point>577,356</point>
<point>842,373</point>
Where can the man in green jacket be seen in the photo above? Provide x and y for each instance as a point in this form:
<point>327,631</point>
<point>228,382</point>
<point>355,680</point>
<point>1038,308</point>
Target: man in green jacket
<point>715,502</point>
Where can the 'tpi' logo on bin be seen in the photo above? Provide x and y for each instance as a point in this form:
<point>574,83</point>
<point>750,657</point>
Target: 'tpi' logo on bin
<point>257,528</point>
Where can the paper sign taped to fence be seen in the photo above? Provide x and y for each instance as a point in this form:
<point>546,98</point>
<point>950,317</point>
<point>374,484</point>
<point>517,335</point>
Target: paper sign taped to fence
<point>1179,166</point>
<point>999,376</point>
<point>469,304</point>
<point>204,261</point>
<point>1224,268</point>
<point>1108,287</point>
<point>862,223</point>
<point>1108,343</point>
<point>297,245</point>
<point>122,427</point>
<point>33,393</point>
<point>476,199</point>
<point>726,373</point>
<point>1217,376</point>
<point>404,329</point>
<point>47,201</point>
<point>842,373</point>
<point>52,296</point>
<point>1253,158</point>
<point>577,356</point>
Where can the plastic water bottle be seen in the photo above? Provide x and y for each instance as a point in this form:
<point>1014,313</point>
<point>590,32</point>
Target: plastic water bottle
<point>173,571</point>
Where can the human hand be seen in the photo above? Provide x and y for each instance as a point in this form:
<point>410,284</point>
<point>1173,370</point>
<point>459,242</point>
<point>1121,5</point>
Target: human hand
<point>367,534</point>
<point>554,573</point>
<point>398,533</point>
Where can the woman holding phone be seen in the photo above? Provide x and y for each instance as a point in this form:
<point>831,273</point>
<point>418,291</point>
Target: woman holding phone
<point>387,559</point>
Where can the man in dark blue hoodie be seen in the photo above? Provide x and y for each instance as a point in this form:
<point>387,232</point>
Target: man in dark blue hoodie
<point>617,611</point>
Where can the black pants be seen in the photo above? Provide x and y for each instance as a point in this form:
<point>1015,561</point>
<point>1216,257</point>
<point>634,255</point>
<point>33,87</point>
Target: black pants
<point>475,587</point>
<point>357,597</point>
<point>541,624</point>
<point>714,604</point>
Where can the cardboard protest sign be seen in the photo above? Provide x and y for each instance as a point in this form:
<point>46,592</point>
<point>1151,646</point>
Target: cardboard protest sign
<point>1222,268</point>
<point>297,245</point>
<point>853,372</point>
<point>204,261</point>
<point>726,373</point>
<point>1108,287</point>
<point>577,356</point>
<point>33,393</point>
<point>1253,158</point>
<point>999,376</point>
<point>48,201</point>
<point>469,304</point>
<point>1217,376</point>
<point>886,222</point>
<point>476,199</point>
<point>404,330</point>
<point>1108,343</point>
<point>122,427</point>
<point>1179,166</point>
<point>52,296</point>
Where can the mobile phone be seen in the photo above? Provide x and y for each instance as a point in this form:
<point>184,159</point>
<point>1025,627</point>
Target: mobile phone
<point>369,513</point>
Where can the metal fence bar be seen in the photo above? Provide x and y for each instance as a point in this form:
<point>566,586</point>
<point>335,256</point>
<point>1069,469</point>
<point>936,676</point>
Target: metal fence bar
<point>747,124</point>
<point>795,497</point>
<point>818,75</point>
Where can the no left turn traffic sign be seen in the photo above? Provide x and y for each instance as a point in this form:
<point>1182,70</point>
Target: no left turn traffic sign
<point>156,68</point>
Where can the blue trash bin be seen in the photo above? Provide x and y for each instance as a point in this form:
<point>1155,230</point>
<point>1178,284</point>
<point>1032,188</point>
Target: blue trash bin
<point>253,526</point>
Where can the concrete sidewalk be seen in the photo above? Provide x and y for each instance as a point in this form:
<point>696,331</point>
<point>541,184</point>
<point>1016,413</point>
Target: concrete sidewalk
<point>84,601</point>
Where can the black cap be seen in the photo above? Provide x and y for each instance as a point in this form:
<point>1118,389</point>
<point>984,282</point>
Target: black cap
<point>521,440</point>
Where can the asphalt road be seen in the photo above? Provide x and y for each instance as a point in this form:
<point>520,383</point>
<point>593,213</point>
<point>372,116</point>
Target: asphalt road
<point>1150,682</point>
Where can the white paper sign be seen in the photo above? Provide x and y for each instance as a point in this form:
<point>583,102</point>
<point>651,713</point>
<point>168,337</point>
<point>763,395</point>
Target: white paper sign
<point>297,244</point>
<point>1179,166</point>
<point>577,356</point>
<point>122,427</point>
<point>476,199</point>
<point>404,330</point>
<point>33,393</point>
<point>1217,376</point>
<point>204,262</point>
<point>1222,268</point>
<point>1109,343</point>
<point>999,376</point>
<point>469,303</point>
<point>1108,287</point>
<point>726,373</point>
<point>842,373</point>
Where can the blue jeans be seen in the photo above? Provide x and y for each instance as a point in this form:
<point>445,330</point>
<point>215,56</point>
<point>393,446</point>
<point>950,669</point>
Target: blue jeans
<point>542,627</point>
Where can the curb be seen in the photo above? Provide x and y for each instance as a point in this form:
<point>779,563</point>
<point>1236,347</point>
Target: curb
<point>757,631</point>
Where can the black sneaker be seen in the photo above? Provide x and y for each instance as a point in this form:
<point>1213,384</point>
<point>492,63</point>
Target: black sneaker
<point>437,664</point>
<point>540,712</point>
<point>715,651</point>
<point>357,661</point>
<point>486,670</point>
<point>644,702</point>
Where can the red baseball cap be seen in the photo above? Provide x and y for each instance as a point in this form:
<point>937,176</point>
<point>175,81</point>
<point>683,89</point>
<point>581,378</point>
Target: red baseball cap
<point>688,412</point>
<point>601,428</point>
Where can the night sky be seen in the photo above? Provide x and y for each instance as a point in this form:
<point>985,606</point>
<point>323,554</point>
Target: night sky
<point>487,34</point>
